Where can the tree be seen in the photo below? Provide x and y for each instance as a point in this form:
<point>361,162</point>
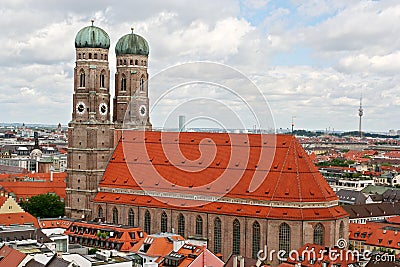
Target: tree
<point>44,206</point>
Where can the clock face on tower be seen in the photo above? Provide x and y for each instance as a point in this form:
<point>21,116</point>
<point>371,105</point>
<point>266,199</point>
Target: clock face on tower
<point>80,108</point>
<point>142,110</point>
<point>103,109</point>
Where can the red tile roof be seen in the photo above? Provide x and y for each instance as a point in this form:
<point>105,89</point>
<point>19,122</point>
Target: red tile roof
<point>159,246</point>
<point>54,223</point>
<point>123,237</point>
<point>245,166</point>
<point>18,218</point>
<point>10,257</point>
<point>28,185</point>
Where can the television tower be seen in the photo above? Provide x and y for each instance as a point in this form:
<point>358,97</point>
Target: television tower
<point>360,113</point>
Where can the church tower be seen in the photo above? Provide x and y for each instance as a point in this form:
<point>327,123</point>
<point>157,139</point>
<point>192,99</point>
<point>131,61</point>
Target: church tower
<point>131,102</point>
<point>90,132</point>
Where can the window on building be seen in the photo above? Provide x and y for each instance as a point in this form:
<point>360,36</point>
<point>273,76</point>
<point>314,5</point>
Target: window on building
<point>120,62</point>
<point>147,222</point>
<point>319,234</point>
<point>124,61</point>
<point>84,55</point>
<point>136,62</point>
<point>164,222</point>
<point>123,83</point>
<point>256,240</point>
<point>131,218</point>
<point>341,230</point>
<point>284,238</point>
<point>82,79</point>
<point>131,62</point>
<point>236,238</point>
<point>181,225</point>
<point>102,84</point>
<point>141,84</point>
<point>90,55</point>
<point>217,235</point>
<point>199,226</point>
<point>95,56</point>
<point>115,216</point>
<point>79,56</point>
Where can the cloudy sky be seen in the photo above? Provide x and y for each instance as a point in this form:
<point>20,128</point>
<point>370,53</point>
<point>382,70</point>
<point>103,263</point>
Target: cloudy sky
<point>310,59</point>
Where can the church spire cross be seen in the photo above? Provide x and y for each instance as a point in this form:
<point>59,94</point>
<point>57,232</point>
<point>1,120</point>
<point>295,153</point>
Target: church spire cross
<point>92,20</point>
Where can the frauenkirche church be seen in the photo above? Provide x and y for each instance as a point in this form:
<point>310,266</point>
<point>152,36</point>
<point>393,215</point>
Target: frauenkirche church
<point>110,176</point>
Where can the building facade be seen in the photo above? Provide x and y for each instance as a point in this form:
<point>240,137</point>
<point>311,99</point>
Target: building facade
<point>139,185</point>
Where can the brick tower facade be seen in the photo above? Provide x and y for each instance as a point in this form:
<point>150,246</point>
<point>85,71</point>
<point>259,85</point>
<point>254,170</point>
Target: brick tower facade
<point>131,86</point>
<point>90,132</point>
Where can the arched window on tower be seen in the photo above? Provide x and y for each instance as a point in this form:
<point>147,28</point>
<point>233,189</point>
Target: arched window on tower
<point>256,240</point>
<point>236,238</point>
<point>95,55</point>
<point>141,84</point>
<point>284,238</point>
<point>136,62</point>
<point>199,226</point>
<point>131,62</point>
<point>131,218</point>
<point>100,212</point>
<point>115,216</point>
<point>147,222</point>
<point>90,55</point>
<point>123,83</point>
<point>82,79</point>
<point>217,235</point>
<point>319,234</point>
<point>164,222</point>
<point>79,56</point>
<point>181,225</point>
<point>102,83</point>
<point>124,61</point>
<point>341,230</point>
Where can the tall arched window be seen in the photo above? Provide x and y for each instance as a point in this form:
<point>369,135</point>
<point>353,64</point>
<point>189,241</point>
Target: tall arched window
<point>102,84</point>
<point>341,230</point>
<point>164,222</point>
<point>284,238</point>
<point>217,235</point>
<point>82,79</point>
<point>123,83</point>
<point>147,222</point>
<point>256,240</point>
<point>199,226</point>
<point>136,61</point>
<point>90,55</point>
<point>131,218</point>
<point>236,238</point>
<point>100,212</point>
<point>319,234</point>
<point>181,225</point>
<point>141,84</point>
<point>115,216</point>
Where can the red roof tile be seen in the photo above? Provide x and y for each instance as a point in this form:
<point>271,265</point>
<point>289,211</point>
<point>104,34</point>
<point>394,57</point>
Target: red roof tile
<point>18,218</point>
<point>10,257</point>
<point>247,166</point>
<point>28,185</point>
